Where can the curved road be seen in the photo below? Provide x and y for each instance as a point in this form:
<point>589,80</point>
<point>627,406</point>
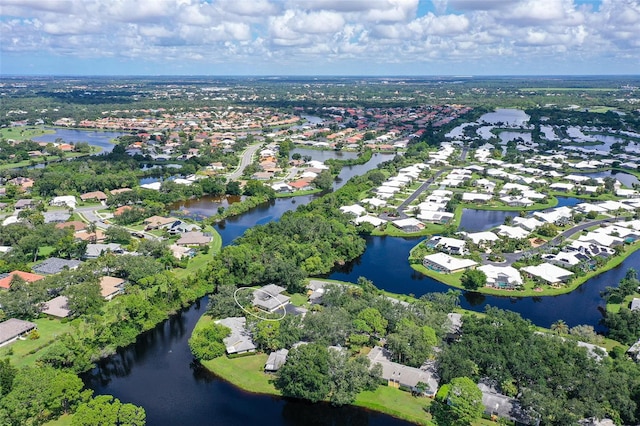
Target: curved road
<point>510,258</point>
<point>245,160</point>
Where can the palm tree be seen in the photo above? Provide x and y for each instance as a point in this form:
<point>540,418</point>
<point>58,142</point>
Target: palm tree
<point>560,327</point>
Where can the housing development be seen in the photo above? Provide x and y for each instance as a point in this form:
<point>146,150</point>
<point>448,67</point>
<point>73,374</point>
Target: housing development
<point>127,204</point>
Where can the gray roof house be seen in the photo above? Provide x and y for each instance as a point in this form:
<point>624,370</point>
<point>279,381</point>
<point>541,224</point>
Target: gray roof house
<point>53,265</point>
<point>94,251</point>
<point>58,216</point>
<point>239,341</point>
<point>398,375</point>
<point>276,360</point>
<point>496,404</point>
<point>13,328</point>
<point>57,307</point>
<point>194,238</point>
<point>268,298</point>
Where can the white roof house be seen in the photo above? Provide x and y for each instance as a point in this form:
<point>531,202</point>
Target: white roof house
<point>375,221</point>
<point>601,239</point>
<point>384,189</point>
<point>559,186</point>
<point>449,245</point>
<point>555,215</point>
<point>479,237</point>
<point>239,341</point>
<point>476,197</point>
<point>614,205</point>
<point>155,186</point>
<point>528,223</point>
<point>64,200</point>
<point>548,272</point>
<point>512,232</point>
<point>375,202</point>
<point>442,262</point>
<point>409,224</point>
<point>502,276</point>
<point>354,209</point>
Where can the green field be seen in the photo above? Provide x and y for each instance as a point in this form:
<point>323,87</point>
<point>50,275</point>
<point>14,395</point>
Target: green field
<point>23,133</point>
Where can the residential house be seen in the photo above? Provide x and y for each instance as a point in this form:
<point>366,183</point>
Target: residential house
<point>528,223</point>
<point>512,232</point>
<point>54,265</point>
<point>447,244</point>
<point>64,201</point>
<point>496,404</point>
<point>155,222</point>
<point>567,258</point>
<point>435,217</point>
<point>409,224</point>
<point>95,195</point>
<point>110,287</point>
<point>441,262</point>
<point>375,221</point>
<point>239,340</point>
<point>547,272</point>
<point>94,251</point>
<point>5,279</point>
<point>194,239</point>
<point>482,237</point>
<point>502,277</point>
<point>269,298</point>
<point>57,307</point>
<point>354,210</point>
<point>276,360</point>
<point>635,304</point>
<point>601,239</point>
<point>180,252</point>
<point>12,329</point>
<point>59,216</point>
<point>476,197</point>
<point>24,203</point>
<point>398,375</point>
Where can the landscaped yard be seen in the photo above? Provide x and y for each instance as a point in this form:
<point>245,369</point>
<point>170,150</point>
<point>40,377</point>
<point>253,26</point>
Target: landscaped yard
<point>20,352</point>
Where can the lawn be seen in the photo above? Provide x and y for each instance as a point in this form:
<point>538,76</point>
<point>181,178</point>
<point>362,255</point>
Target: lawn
<point>200,260</point>
<point>20,352</point>
<point>247,373</point>
<point>64,420</point>
<point>396,403</point>
<point>23,133</point>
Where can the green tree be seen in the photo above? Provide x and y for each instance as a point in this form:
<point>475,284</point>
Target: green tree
<point>267,335</point>
<point>85,298</point>
<point>473,279</point>
<point>324,180</point>
<point>560,327</point>
<point>105,410</point>
<point>305,374</point>
<point>233,188</point>
<point>118,234</point>
<point>41,393</point>
<point>206,341</point>
<point>371,321</point>
<point>465,401</point>
<point>7,374</point>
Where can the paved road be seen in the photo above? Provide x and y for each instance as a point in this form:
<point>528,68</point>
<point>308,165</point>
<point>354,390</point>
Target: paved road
<point>400,214</point>
<point>245,160</point>
<point>90,215</point>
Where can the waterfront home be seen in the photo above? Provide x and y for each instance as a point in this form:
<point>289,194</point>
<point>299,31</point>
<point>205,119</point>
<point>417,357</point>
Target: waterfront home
<point>282,187</point>
<point>503,277</point>
<point>398,375</point>
<point>453,326</point>
<point>447,244</point>
<point>374,202</point>
<point>354,210</point>
<point>548,273</point>
<point>589,207</point>
<point>591,249</point>
<point>56,307</point>
<point>194,239</point>
<point>276,360</point>
<point>441,262</point>
<point>562,187</point>
<point>409,224</point>
<point>5,279</point>
<point>110,287</point>
<point>614,206</point>
<point>558,215</point>
<point>634,351</point>
<point>435,217</point>
<point>475,197</point>
<point>528,223</point>
<point>239,340</point>
<point>601,239</point>
<point>269,298</point>
<point>512,232</point>
<point>12,329</point>
<point>155,222</point>
<point>516,201</point>
<point>567,258</point>
<point>375,221</point>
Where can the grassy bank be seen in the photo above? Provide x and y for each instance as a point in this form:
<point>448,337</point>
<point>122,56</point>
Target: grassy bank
<point>23,133</point>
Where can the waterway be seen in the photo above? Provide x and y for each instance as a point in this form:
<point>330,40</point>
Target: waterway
<point>92,137</point>
<point>158,371</point>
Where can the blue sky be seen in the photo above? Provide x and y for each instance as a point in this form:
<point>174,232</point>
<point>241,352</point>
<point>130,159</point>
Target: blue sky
<point>319,37</point>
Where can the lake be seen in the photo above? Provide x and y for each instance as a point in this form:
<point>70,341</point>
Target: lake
<point>627,179</point>
<point>508,116</point>
<point>92,137</point>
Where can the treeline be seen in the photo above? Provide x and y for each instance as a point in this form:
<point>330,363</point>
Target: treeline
<point>556,380</point>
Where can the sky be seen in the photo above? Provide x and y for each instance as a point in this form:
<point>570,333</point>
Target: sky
<point>320,37</point>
